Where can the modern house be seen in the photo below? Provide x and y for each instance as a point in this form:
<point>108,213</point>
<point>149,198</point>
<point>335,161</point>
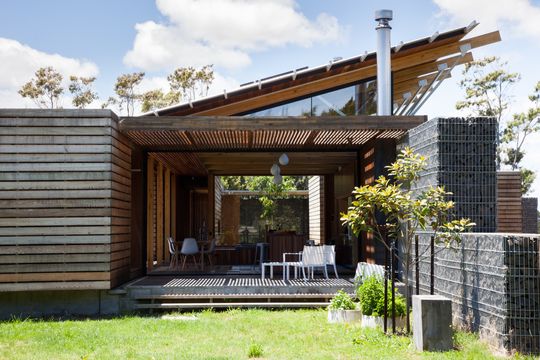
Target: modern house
<point>88,199</point>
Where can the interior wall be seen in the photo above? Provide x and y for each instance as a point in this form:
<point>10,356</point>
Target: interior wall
<point>344,182</point>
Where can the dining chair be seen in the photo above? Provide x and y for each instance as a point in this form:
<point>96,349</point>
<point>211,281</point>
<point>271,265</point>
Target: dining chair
<point>189,248</point>
<point>209,251</point>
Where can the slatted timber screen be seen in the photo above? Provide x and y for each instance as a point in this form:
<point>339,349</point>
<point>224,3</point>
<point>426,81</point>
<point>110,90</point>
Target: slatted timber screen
<point>218,194</point>
<point>161,210</point>
<point>316,208</point>
<point>65,192</point>
<point>509,210</point>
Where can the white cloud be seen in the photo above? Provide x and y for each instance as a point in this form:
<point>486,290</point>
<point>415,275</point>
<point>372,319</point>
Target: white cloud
<point>224,32</point>
<point>20,62</point>
<point>518,17</point>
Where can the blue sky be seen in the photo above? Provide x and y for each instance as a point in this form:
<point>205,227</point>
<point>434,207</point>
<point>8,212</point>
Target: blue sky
<point>261,38</point>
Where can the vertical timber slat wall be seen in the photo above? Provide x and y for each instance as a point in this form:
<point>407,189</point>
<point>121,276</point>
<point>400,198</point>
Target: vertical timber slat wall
<point>316,209</point>
<point>161,212</point>
<point>509,207</point>
<point>64,200</point>
<point>218,195</point>
<point>121,208</point>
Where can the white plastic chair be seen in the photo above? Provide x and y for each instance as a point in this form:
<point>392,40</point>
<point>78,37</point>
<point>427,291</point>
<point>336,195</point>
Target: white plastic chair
<point>174,253</point>
<point>310,258</point>
<point>189,248</point>
<point>330,256</point>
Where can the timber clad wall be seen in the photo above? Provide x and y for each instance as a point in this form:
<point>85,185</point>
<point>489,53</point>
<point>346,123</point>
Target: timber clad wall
<point>509,211</point>
<point>65,192</point>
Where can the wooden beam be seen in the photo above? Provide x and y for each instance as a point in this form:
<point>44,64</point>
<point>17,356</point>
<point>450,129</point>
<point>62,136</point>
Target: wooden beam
<point>150,214</point>
<point>427,68</point>
<point>240,123</point>
<point>167,211</point>
<point>173,206</point>
<point>210,221</point>
<point>400,61</point>
<point>159,214</point>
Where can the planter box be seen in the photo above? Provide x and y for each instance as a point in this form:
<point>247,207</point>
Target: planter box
<point>344,316</point>
<point>378,321</point>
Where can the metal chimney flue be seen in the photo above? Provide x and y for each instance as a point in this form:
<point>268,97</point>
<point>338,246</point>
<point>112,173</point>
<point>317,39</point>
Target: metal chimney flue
<point>384,77</point>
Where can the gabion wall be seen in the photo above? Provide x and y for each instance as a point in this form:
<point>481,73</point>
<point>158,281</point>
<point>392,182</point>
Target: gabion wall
<point>461,154</point>
<point>529,218</point>
<point>493,281</point>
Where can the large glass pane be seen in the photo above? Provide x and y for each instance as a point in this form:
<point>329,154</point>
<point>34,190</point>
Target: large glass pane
<point>295,108</point>
<point>334,103</point>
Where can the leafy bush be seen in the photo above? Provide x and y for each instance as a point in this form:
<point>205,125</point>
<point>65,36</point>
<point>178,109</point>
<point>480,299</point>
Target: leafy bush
<point>255,350</point>
<point>371,296</point>
<point>342,301</point>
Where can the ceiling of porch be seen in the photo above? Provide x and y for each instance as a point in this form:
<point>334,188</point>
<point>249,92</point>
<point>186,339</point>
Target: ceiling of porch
<point>258,134</point>
<point>254,163</point>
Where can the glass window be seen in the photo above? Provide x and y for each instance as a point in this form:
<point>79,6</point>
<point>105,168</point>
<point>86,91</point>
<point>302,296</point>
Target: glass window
<point>357,99</point>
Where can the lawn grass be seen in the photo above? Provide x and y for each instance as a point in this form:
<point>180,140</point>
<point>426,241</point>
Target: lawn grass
<point>233,334</point>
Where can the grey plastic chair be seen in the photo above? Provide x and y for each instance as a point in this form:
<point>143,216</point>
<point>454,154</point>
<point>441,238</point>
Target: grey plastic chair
<point>189,248</point>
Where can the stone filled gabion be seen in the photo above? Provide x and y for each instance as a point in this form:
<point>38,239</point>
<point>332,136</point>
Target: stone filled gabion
<point>461,156</point>
<point>493,281</point>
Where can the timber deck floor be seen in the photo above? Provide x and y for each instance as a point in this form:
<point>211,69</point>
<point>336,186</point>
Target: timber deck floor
<point>188,292</point>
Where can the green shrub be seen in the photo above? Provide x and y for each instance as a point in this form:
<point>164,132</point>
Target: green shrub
<point>255,350</point>
<point>342,301</point>
<point>371,296</point>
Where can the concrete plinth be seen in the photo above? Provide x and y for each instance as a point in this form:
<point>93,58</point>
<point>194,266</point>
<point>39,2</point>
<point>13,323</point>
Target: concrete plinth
<point>432,323</point>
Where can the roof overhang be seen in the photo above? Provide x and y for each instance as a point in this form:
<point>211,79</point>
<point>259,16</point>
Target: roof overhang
<point>245,134</point>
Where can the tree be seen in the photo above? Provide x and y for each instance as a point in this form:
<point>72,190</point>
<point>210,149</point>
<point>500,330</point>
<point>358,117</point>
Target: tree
<point>184,83</point>
<point>45,89</point>
<point>157,99</point>
<point>516,132</point>
<point>487,84</point>
<point>124,88</point>
<point>270,191</point>
<point>81,89</point>
<point>190,82</point>
<point>404,211</point>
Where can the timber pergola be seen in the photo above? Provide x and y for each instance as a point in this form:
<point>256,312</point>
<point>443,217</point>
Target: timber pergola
<point>233,133</point>
<point>231,145</point>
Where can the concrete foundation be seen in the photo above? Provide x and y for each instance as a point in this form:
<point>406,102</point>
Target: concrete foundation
<point>59,304</point>
<point>432,323</point>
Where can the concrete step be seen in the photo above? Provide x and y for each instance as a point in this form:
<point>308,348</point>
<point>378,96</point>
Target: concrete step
<point>232,296</point>
<point>232,305</point>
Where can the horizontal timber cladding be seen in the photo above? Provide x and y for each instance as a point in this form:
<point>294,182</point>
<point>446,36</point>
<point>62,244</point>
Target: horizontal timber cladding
<point>65,200</point>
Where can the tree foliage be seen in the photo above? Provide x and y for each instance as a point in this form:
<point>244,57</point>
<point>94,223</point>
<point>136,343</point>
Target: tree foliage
<point>270,192</point>
<point>519,128</point>
<point>185,83</point>
<point>190,82</point>
<point>126,94</point>
<point>487,86</point>
<point>44,89</point>
<point>81,89</point>
<point>404,211</point>
<point>157,99</point>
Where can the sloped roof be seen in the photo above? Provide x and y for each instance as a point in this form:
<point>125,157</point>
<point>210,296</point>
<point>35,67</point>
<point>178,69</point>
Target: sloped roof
<point>418,68</point>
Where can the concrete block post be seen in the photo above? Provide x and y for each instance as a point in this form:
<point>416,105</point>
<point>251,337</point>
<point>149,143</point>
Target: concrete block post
<point>432,323</point>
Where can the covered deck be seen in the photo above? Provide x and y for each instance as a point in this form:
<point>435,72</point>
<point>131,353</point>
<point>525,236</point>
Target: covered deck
<point>196,292</point>
<point>181,159</point>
